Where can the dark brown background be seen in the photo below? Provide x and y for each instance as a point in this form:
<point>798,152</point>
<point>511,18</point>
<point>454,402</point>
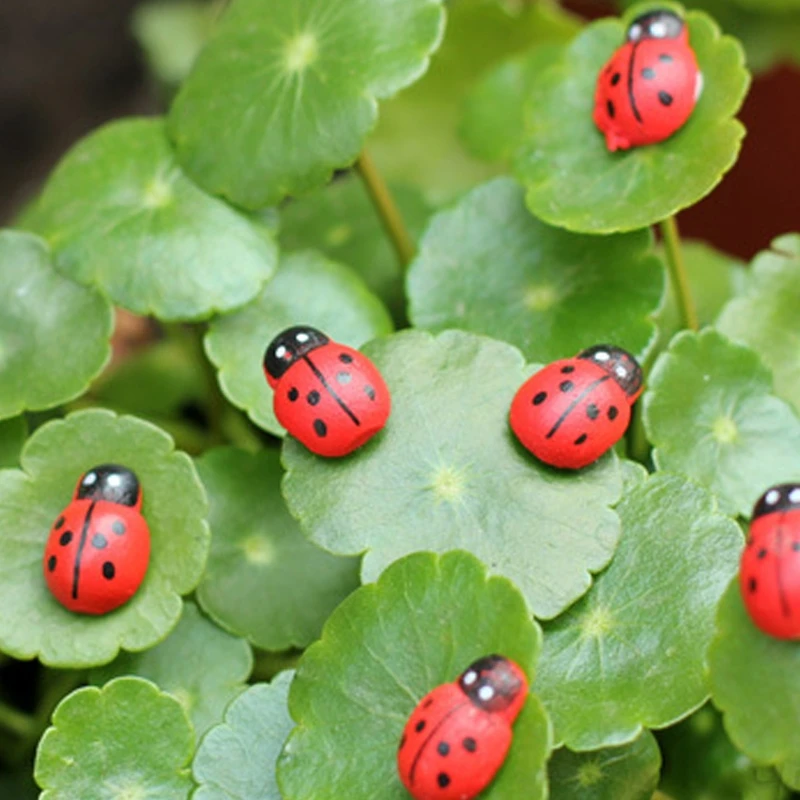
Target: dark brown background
<point>68,65</point>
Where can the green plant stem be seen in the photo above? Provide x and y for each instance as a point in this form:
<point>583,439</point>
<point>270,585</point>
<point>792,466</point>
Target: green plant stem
<point>386,207</point>
<point>17,722</point>
<point>677,273</point>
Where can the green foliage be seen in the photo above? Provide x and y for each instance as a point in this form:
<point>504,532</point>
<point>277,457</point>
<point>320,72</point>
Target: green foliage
<point>237,758</point>
<point>487,266</point>
<point>640,186</point>
<point>31,499</point>
<point>119,214</point>
<point>755,682</point>
<point>449,473</point>
<point>126,740</point>
<point>710,413</point>
<point>203,667</point>
<point>423,623</point>
<point>629,772</point>
<point>258,553</point>
<point>38,371</point>
<point>301,94</point>
<point>12,437</point>
<point>340,304</point>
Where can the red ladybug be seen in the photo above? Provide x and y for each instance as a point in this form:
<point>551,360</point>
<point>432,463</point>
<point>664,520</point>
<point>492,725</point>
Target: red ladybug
<point>650,86</point>
<point>98,550</point>
<point>459,734</point>
<point>329,396</point>
<point>770,572</point>
<point>569,413</point>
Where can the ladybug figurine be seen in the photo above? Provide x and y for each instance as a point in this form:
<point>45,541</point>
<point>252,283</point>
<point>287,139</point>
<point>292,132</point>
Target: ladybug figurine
<point>649,88</point>
<point>329,396</point>
<point>769,578</point>
<point>569,413</point>
<point>458,736</point>
<point>98,550</point>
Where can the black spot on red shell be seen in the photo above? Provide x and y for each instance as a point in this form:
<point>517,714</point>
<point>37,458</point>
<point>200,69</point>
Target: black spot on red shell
<point>762,553</point>
<point>610,109</point>
<point>613,412</point>
<point>420,726</point>
<point>369,392</point>
<point>293,394</point>
<point>592,411</point>
<point>581,439</point>
<point>443,779</point>
<point>320,428</point>
<point>566,370</point>
<point>343,377</point>
<point>443,748</point>
<point>796,547</point>
<point>51,563</point>
<point>566,386</point>
<point>99,541</point>
<point>648,73</point>
<point>118,527</point>
<point>469,744</point>
<point>665,98</point>
<point>666,58</point>
<point>65,538</point>
<point>109,571</point>
<point>59,522</point>
<point>615,78</point>
<point>345,358</point>
<point>540,398</point>
<point>753,584</point>
<point>313,397</point>
<point>428,703</point>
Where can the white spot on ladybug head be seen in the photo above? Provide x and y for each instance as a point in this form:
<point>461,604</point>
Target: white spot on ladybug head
<point>773,495</point>
<point>635,32</point>
<point>114,481</point>
<point>794,495</point>
<point>470,678</point>
<point>302,338</point>
<point>601,355</point>
<point>486,693</point>
<point>658,30</point>
<point>621,371</point>
<point>281,351</point>
<point>90,479</point>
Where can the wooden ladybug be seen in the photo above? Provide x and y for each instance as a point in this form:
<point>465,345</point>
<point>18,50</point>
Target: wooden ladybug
<point>769,578</point>
<point>458,736</point>
<point>329,396</point>
<point>98,550</point>
<point>569,413</point>
<point>649,88</point>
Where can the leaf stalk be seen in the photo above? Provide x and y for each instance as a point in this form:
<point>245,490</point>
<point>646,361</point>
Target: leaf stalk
<point>677,273</point>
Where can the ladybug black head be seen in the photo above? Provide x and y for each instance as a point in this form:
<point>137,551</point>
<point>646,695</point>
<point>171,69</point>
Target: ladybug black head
<point>109,482</point>
<point>288,346</point>
<point>655,25</point>
<point>494,684</point>
<point>785,497</point>
<point>619,364</point>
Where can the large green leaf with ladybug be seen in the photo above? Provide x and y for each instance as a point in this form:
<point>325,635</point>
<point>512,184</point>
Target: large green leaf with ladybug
<point>574,182</point>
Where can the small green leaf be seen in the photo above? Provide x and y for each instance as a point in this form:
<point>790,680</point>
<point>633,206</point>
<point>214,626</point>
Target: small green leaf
<point>31,499</point>
<point>710,413</point>
<point>264,579</point>
<point>201,666</point>
<point>299,97</point>
<point>126,741</point>
<point>236,760</point>
<point>390,643</point>
<point>341,222</point>
<point>755,682</point>
<point>417,139</point>
<point>487,266</point>
<point>307,289</point>
<point>630,654</point>
<point>765,317</point>
<point>121,215</point>
<point>572,179</point>
<point>12,436</point>
<point>448,473</point>
<point>629,772</point>
<point>37,370</point>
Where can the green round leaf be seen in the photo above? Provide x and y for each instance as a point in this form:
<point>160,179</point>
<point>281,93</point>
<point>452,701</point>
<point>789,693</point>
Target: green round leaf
<point>307,289</point>
<point>572,179</point>
<point>629,772</point>
<point>46,358</point>
<point>264,579</point>
<point>755,682</point>
<point>417,138</point>
<point>236,760</point>
<point>765,317</point>
<point>710,414</point>
<point>341,222</point>
<point>448,472</point>
<point>701,762</point>
<point>12,438</point>
<point>121,215</point>
<point>127,740</point>
<point>630,654</point>
<point>33,622</point>
<point>424,621</point>
<point>284,93</point>
<point>203,667</point>
<point>487,266</point>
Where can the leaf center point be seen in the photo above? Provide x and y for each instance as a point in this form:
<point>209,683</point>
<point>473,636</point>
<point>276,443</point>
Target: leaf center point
<point>258,550</point>
<point>447,484</point>
<point>725,430</point>
<point>597,622</point>
<point>157,194</point>
<point>301,51</point>
<point>540,298</point>
<point>590,774</point>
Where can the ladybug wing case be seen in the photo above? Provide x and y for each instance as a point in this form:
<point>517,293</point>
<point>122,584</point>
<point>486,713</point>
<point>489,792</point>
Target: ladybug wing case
<point>61,552</point>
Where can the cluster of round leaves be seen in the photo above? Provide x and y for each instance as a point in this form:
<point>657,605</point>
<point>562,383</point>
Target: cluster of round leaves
<point>625,569</point>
